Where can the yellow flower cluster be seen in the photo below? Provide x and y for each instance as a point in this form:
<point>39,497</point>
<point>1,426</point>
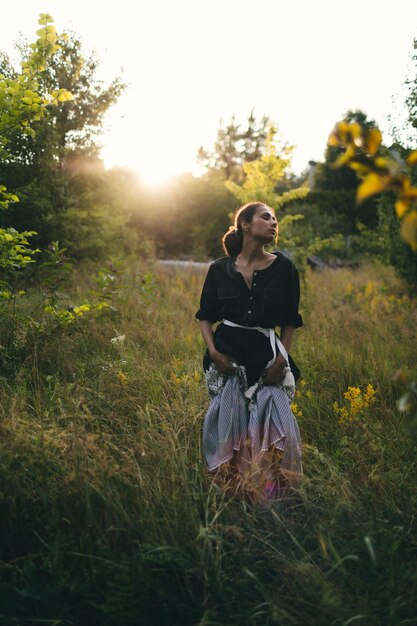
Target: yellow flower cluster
<point>371,296</point>
<point>80,310</point>
<point>300,391</point>
<point>185,379</point>
<point>179,380</point>
<point>357,402</point>
<point>179,377</point>
<point>122,378</point>
<point>296,411</point>
<point>378,173</point>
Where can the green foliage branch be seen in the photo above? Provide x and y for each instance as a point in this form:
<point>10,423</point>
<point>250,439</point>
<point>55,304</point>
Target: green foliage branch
<point>21,105</point>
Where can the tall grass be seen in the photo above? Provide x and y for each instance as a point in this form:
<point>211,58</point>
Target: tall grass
<point>107,516</point>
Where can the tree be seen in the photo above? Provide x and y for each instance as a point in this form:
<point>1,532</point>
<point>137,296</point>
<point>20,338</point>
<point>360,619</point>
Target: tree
<point>263,174</point>
<point>22,104</point>
<point>380,171</point>
<point>235,146</point>
<point>411,99</point>
<point>40,167</point>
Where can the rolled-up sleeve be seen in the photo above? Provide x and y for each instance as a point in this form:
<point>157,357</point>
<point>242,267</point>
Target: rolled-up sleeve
<point>209,306</point>
<point>291,315</point>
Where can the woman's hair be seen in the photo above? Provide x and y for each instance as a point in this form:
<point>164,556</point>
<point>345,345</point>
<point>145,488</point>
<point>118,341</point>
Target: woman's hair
<point>233,240</point>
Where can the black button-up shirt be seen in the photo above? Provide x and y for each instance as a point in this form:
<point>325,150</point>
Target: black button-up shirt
<point>271,301</point>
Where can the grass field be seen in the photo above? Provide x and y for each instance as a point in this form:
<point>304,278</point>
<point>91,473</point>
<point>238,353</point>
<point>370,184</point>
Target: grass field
<point>107,516</point>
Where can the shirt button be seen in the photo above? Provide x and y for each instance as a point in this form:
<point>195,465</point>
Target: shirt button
<point>255,273</point>
<point>254,284</point>
<point>250,297</point>
<point>249,311</point>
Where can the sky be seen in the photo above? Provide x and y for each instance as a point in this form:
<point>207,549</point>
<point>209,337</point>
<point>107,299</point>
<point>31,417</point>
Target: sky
<point>190,63</point>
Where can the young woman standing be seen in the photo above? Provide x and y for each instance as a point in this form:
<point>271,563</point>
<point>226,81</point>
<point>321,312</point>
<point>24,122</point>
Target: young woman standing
<point>250,436</point>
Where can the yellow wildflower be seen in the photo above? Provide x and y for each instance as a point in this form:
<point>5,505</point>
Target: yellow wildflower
<point>176,363</point>
<point>295,410</point>
<point>175,379</point>
<point>122,378</point>
<point>80,310</point>
<point>356,403</point>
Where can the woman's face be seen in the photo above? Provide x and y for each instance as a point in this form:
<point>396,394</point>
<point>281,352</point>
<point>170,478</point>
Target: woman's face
<point>263,227</point>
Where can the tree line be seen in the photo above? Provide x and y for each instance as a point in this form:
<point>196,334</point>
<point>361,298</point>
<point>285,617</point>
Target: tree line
<point>66,195</point>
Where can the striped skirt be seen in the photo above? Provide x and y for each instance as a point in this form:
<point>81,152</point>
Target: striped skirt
<point>251,439</point>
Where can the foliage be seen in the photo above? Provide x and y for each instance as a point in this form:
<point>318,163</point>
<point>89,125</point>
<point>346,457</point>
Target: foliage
<point>411,99</point>
<point>379,173</point>
<point>22,104</point>
<point>236,146</point>
<point>340,185</point>
<point>22,100</point>
<point>108,515</point>
<point>15,254</point>
<point>325,213</point>
<point>73,313</point>
<point>185,218</point>
<point>394,250</point>
<point>262,175</point>
<point>357,402</point>
<point>63,190</point>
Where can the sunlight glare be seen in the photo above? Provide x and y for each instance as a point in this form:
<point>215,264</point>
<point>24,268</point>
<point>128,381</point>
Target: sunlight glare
<point>140,150</point>
<point>152,174</point>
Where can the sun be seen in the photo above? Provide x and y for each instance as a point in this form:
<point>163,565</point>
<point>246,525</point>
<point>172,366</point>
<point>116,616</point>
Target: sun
<point>153,167</point>
<point>154,174</point>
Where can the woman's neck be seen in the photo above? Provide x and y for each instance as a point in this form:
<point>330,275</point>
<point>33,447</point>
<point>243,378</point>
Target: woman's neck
<point>252,253</point>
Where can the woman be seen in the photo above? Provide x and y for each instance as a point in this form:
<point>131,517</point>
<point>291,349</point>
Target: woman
<point>250,436</point>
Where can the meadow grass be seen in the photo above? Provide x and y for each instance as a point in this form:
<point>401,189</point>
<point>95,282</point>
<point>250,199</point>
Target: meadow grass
<point>107,515</point>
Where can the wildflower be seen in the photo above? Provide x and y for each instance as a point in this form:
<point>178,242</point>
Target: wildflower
<point>80,310</point>
<point>371,288</point>
<point>176,363</point>
<point>356,403</point>
<point>118,339</point>
<point>295,410</point>
<point>122,378</point>
<point>176,380</point>
<point>348,290</point>
<point>369,394</point>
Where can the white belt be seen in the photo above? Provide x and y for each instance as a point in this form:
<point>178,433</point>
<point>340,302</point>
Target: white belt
<point>273,339</point>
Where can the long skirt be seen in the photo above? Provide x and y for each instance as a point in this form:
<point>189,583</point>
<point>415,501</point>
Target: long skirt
<point>251,439</point>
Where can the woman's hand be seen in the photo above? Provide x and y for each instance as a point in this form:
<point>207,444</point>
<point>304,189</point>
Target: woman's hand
<point>275,374</point>
<point>224,363</point>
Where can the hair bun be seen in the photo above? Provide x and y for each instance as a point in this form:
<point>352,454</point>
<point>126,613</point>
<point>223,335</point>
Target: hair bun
<point>231,241</point>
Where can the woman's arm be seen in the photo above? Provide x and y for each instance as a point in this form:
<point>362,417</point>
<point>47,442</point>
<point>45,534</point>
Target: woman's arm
<point>223,362</point>
<point>206,328</point>
<point>275,373</point>
<point>287,337</point>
